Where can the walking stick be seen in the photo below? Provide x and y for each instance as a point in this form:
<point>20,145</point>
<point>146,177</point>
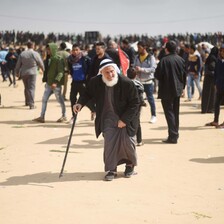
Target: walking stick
<point>68,145</point>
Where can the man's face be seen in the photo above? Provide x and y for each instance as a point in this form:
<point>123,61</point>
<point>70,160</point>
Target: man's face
<point>141,49</point>
<point>109,76</point>
<point>76,51</point>
<point>125,46</point>
<point>222,53</point>
<point>191,51</point>
<point>109,73</point>
<point>186,50</point>
<point>99,50</point>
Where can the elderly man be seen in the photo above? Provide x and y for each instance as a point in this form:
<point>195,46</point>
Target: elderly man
<point>117,107</point>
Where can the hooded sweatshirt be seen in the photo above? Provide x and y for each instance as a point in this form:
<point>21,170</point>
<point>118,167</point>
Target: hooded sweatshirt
<point>148,67</point>
<point>55,68</point>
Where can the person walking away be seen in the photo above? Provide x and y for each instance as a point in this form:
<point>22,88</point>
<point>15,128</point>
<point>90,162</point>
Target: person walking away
<point>208,90</point>
<point>64,54</point>
<point>117,108</point>
<point>26,67</point>
<point>219,86</point>
<point>171,73</point>
<point>11,59</point>
<point>145,65</point>
<point>54,80</point>
<point>79,66</point>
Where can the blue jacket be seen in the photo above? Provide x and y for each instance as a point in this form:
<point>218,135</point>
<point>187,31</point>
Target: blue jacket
<point>3,54</point>
<point>86,62</point>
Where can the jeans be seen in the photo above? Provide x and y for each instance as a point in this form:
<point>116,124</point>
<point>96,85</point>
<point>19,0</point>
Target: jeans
<point>149,90</point>
<point>190,80</point>
<point>47,93</point>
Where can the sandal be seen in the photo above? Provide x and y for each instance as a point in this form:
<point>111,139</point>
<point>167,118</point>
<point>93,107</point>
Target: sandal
<point>220,126</point>
<point>212,124</point>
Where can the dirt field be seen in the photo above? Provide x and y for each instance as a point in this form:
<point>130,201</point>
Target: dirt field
<point>174,184</point>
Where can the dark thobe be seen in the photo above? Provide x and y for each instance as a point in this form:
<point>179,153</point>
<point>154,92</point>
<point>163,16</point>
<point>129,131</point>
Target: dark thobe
<point>119,148</point>
<point>208,91</point>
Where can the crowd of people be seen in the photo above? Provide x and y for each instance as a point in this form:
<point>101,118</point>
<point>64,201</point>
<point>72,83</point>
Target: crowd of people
<point>20,38</point>
<point>114,95</point>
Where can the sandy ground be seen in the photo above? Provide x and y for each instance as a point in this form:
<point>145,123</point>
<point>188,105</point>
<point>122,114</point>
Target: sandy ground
<point>181,183</point>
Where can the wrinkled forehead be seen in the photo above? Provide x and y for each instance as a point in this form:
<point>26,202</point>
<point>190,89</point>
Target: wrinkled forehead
<point>109,68</point>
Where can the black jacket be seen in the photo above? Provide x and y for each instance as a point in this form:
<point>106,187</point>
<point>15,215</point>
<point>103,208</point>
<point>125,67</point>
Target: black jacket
<point>114,55</point>
<point>125,98</point>
<point>94,68</point>
<point>219,75</point>
<point>11,62</point>
<point>171,73</point>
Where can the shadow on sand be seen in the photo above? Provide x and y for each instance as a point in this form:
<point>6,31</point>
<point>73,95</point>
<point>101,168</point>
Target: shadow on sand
<point>86,144</point>
<point>47,124</point>
<point>208,160</point>
<point>44,178</point>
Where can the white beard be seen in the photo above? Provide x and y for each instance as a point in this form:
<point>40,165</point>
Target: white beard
<point>112,82</point>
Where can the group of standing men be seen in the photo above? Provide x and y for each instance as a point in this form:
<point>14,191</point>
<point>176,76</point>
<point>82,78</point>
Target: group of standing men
<point>111,97</point>
<point>117,104</point>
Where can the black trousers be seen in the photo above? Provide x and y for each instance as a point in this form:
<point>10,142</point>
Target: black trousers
<point>171,110</point>
<point>79,88</point>
<point>218,100</point>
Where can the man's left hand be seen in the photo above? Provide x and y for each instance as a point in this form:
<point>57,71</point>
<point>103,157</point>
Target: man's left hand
<point>121,124</point>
